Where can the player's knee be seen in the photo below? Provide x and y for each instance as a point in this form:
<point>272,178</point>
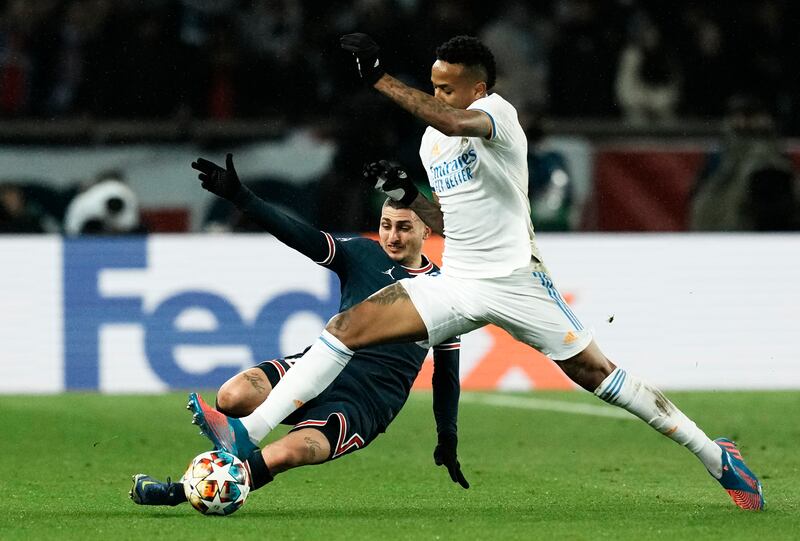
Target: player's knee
<point>589,368</point>
<point>229,401</point>
<point>239,396</point>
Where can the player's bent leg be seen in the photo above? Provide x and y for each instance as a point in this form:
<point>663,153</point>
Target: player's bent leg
<point>243,393</point>
<point>387,316</point>
<point>298,448</point>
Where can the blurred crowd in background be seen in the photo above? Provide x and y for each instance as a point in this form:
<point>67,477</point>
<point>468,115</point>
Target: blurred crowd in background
<point>233,58</point>
<point>643,62</point>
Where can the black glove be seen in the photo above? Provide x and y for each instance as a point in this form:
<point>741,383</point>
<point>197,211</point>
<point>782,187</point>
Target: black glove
<point>445,455</point>
<point>391,179</point>
<point>222,182</point>
<point>366,52</point>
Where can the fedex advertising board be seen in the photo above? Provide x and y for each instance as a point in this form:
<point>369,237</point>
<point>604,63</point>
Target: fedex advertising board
<point>148,314</point>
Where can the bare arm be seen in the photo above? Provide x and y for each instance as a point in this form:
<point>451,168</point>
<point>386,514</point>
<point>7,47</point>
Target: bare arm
<point>429,212</point>
<point>448,120</point>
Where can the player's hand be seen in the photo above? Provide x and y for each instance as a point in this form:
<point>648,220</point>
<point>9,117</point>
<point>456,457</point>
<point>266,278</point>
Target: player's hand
<point>391,178</point>
<point>445,455</point>
<point>222,182</point>
<point>366,52</point>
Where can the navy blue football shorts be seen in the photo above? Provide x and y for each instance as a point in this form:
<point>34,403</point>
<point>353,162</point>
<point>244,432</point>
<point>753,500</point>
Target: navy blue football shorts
<point>347,422</point>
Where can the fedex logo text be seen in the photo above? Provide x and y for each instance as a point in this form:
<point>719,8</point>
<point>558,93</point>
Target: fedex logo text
<point>87,311</point>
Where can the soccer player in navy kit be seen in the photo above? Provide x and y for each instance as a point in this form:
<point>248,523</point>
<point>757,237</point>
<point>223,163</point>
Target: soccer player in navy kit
<point>475,155</point>
<point>371,390</point>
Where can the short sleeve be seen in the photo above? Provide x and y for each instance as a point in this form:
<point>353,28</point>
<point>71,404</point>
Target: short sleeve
<point>502,115</point>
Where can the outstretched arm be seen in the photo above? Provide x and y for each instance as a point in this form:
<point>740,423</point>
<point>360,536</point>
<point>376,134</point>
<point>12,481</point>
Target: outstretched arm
<point>448,120</point>
<point>446,390</point>
<point>225,183</point>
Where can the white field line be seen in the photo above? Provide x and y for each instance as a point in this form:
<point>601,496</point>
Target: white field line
<point>523,402</point>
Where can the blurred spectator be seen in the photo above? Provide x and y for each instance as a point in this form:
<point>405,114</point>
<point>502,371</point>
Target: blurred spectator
<point>550,188</point>
<point>107,207</point>
<point>767,49</point>
<point>648,81</point>
<point>78,40</point>
<point>582,60</point>
<point>519,44</point>
<point>17,214</point>
<point>750,184</point>
<point>271,35</point>
<point>280,58</point>
<point>706,62</point>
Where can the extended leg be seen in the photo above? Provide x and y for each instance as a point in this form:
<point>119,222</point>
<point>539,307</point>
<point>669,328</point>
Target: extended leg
<point>594,372</point>
<point>387,316</point>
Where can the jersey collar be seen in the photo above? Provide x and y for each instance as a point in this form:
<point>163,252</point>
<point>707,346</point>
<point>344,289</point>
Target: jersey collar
<point>427,266</point>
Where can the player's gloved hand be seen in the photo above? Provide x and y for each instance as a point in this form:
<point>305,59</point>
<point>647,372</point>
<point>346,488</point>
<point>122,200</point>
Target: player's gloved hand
<point>391,179</point>
<point>366,52</point>
<point>222,182</point>
<point>445,455</point>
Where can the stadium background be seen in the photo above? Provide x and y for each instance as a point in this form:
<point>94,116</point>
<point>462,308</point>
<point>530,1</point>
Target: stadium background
<point>630,107</point>
<point>133,90</point>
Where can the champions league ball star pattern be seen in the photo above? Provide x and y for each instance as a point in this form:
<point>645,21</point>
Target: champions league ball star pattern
<point>216,483</point>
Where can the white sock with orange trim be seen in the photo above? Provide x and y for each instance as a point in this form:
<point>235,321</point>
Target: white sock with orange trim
<point>649,404</point>
<point>309,376</point>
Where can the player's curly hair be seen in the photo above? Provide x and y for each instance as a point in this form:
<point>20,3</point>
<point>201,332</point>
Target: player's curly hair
<point>469,50</point>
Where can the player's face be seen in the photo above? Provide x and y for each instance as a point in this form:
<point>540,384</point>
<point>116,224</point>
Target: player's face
<point>455,84</point>
<point>401,234</point>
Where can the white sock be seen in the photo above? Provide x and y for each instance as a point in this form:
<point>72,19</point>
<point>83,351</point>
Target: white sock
<point>649,404</point>
<point>311,375</point>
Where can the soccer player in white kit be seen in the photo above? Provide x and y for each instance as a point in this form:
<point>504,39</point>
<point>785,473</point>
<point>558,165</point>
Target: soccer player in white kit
<point>474,151</point>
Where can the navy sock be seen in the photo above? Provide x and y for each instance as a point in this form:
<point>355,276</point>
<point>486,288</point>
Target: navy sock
<point>175,493</point>
<point>259,472</point>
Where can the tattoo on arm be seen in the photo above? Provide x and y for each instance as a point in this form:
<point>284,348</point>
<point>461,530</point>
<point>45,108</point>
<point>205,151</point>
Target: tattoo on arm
<point>446,119</point>
<point>313,446</point>
<point>341,322</point>
<point>389,295</point>
<point>255,381</point>
<point>416,102</point>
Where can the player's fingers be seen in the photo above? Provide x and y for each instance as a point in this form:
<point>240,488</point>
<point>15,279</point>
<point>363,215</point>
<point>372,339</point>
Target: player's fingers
<point>454,468</point>
<point>451,469</point>
<point>461,479</point>
<point>229,163</point>
<point>205,165</point>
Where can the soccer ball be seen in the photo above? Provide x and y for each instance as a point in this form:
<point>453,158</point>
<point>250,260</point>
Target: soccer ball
<point>216,483</point>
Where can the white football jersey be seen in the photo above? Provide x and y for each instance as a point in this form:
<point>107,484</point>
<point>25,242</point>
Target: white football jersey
<point>482,185</point>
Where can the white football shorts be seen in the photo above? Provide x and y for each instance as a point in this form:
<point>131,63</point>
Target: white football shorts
<point>525,303</point>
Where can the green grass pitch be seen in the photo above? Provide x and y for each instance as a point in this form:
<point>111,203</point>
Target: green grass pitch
<point>535,474</point>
